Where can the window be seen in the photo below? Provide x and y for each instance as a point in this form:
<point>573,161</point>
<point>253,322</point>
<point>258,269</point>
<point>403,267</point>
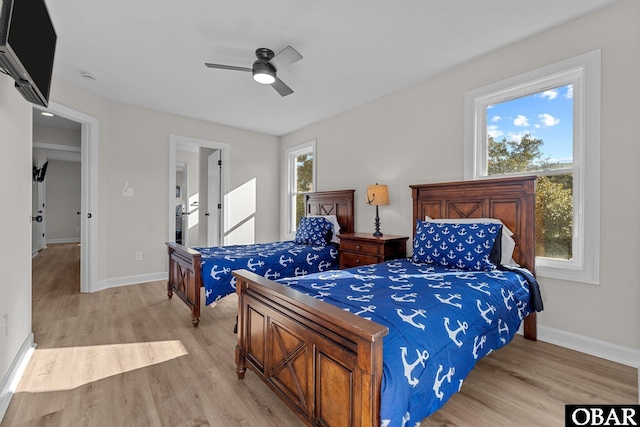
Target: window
<point>547,123</point>
<point>301,178</point>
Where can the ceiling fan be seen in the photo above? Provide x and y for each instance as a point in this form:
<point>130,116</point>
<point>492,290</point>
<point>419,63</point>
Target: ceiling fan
<point>265,67</point>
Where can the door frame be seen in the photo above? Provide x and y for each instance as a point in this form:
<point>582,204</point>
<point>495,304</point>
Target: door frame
<point>174,141</point>
<point>89,192</point>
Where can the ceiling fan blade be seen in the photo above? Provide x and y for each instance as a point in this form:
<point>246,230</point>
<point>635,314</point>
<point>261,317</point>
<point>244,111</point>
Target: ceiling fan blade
<point>285,57</point>
<point>227,67</point>
<point>281,88</point>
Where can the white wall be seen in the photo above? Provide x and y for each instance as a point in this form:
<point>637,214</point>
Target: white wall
<point>58,136</point>
<point>416,136</point>
<point>134,146</point>
<point>15,229</point>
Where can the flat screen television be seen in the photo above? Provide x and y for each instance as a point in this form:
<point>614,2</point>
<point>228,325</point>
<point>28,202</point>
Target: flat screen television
<point>27,47</point>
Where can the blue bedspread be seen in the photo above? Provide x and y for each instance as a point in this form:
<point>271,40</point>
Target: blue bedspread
<point>441,321</point>
<point>271,260</point>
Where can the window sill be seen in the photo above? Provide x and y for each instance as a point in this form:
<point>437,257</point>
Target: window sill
<point>576,274</point>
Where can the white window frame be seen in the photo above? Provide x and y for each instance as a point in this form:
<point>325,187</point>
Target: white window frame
<point>291,154</point>
<point>583,71</point>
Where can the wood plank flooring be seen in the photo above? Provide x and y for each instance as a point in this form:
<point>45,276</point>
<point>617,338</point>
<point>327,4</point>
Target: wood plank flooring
<point>128,356</point>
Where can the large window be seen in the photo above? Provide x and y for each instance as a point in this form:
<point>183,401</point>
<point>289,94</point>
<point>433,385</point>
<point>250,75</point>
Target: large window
<point>301,177</point>
<point>534,134</point>
<point>546,123</point>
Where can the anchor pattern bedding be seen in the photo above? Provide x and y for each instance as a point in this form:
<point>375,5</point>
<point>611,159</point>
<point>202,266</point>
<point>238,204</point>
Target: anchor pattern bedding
<point>271,260</point>
<point>441,322</point>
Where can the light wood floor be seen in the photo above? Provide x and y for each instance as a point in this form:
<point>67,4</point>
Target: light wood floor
<point>128,356</point>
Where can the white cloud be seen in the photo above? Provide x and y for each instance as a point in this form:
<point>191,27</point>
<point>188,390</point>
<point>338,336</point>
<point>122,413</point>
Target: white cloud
<point>548,120</point>
<point>516,137</point>
<point>550,94</point>
<point>494,132</point>
<point>495,119</point>
<point>521,121</point>
<point>569,94</point>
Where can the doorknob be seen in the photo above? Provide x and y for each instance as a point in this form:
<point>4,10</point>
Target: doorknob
<point>37,218</point>
<point>206,214</point>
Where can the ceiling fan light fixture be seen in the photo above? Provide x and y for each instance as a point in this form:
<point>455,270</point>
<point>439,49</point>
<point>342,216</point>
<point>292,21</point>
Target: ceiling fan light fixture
<point>263,73</point>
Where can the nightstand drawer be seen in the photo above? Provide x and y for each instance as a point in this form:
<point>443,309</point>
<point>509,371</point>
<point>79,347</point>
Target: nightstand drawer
<point>363,248</point>
<point>358,249</point>
<point>348,260</point>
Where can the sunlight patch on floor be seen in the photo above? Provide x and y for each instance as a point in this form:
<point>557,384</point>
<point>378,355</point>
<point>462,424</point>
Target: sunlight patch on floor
<point>56,369</point>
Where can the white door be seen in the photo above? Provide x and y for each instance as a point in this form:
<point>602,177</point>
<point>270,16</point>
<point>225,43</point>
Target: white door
<point>39,217</point>
<point>182,203</point>
<point>214,172</point>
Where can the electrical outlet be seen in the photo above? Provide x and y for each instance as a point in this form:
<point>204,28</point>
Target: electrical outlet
<point>138,256</point>
<point>5,318</point>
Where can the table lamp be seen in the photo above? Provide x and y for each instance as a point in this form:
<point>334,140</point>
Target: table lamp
<point>377,195</point>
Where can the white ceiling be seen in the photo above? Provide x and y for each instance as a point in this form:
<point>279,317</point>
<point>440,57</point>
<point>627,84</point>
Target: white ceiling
<point>151,53</point>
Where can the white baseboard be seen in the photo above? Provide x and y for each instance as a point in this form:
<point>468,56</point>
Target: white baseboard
<point>64,240</point>
<point>10,382</point>
<point>606,350</point>
<point>130,280</point>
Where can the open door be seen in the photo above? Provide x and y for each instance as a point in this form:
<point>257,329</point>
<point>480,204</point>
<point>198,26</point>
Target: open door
<point>89,188</point>
<point>182,204</point>
<point>37,217</point>
<point>214,201</point>
<point>216,219</point>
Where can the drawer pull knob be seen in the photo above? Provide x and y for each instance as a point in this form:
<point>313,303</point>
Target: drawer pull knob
<point>357,246</point>
<point>357,261</point>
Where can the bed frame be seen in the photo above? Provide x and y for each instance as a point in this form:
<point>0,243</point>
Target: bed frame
<point>184,263</point>
<point>326,363</point>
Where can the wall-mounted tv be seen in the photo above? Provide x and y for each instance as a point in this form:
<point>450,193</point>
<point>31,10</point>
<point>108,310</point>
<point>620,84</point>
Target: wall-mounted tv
<point>27,47</point>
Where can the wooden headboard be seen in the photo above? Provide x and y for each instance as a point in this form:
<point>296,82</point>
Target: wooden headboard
<point>512,200</point>
<point>338,203</point>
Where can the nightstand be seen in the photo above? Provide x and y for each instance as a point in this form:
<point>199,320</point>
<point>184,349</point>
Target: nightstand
<point>361,249</point>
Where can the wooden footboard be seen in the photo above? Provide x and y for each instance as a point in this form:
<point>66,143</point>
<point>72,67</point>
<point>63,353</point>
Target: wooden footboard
<point>325,363</point>
<point>184,277</point>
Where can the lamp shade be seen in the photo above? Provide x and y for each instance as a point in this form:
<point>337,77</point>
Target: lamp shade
<point>377,195</point>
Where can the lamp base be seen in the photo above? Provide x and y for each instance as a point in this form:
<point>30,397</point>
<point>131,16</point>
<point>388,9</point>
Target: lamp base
<point>377,233</point>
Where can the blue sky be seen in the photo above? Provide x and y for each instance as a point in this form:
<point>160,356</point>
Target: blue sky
<point>546,115</point>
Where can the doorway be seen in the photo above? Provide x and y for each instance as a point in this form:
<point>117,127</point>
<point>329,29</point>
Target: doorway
<point>88,157</point>
<point>201,192</point>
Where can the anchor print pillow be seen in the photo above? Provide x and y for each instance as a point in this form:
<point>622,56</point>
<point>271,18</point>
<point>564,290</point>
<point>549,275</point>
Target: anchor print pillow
<point>315,231</point>
<point>465,246</point>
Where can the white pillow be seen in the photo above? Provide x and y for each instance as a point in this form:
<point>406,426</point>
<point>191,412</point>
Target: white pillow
<point>336,226</point>
<point>507,242</point>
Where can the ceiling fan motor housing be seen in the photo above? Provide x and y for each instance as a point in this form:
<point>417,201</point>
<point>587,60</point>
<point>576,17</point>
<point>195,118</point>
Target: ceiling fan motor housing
<point>263,71</point>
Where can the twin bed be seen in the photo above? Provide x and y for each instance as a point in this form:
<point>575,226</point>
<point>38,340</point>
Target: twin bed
<point>191,269</point>
<point>317,340</point>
